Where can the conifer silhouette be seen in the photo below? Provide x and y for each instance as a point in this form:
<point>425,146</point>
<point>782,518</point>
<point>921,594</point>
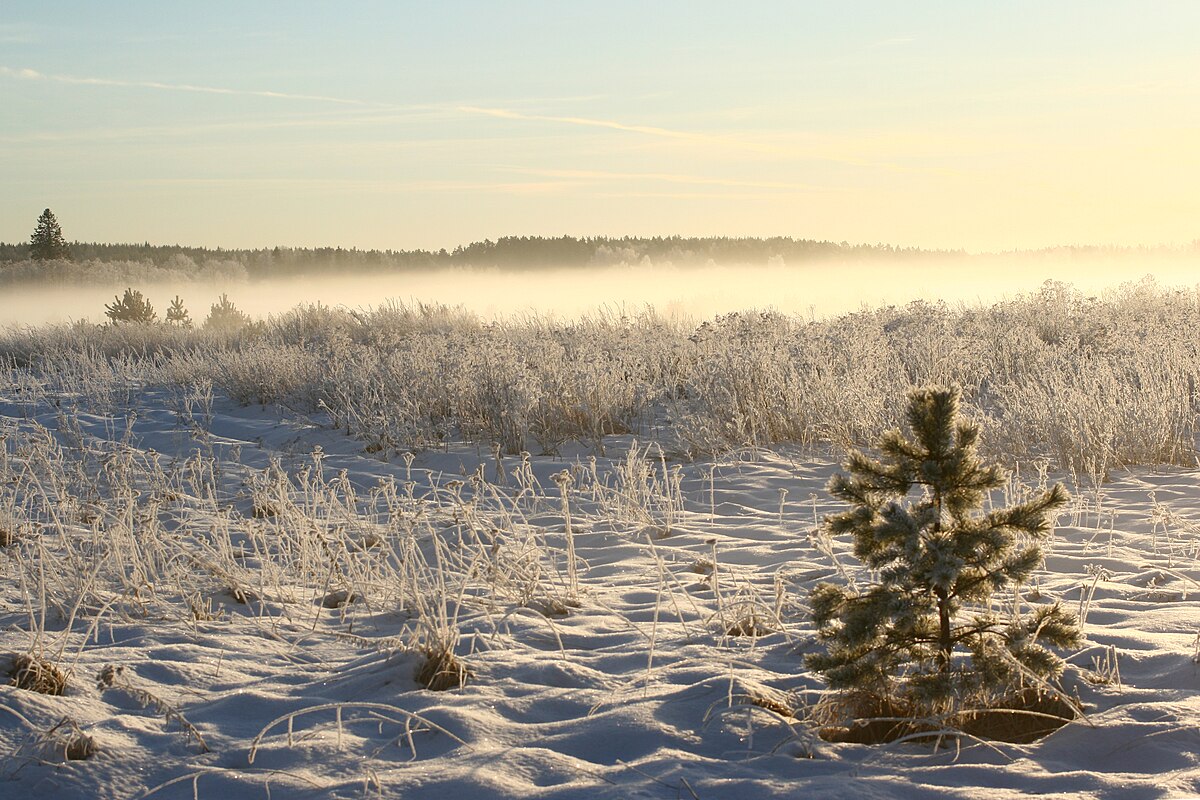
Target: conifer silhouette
<point>133,307</point>
<point>47,241</point>
<point>177,314</point>
<point>224,316</point>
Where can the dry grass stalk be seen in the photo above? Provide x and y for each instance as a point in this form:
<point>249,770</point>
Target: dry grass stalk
<point>775,704</point>
<point>113,677</point>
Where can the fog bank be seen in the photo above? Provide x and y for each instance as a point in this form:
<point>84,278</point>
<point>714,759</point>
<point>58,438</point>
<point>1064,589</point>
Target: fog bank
<point>811,289</point>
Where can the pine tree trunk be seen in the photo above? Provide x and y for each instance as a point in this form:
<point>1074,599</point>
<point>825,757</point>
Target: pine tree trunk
<point>945,643</point>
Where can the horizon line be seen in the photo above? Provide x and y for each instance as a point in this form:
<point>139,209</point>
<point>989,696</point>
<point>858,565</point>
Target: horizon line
<point>1131,248</point>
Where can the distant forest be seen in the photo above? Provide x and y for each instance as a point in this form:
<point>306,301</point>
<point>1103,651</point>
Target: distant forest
<point>509,252</point>
<point>93,262</point>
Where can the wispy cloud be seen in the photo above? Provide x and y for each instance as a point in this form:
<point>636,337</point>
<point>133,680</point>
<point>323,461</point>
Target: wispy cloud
<point>20,73</point>
<point>599,184</point>
<point>353,185</point>
<point>698,195</point>
<point>24,73</point>
<point>665,177</point>
<point>34,75</point>
<point>737,142</point>
<point>17,34</point>
<point>340,119</point>
<point>374,113</point>
<point>505,113</point>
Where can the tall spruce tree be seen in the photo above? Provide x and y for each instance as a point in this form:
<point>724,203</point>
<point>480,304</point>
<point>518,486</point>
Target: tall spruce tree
<point>47,241</point>
<point>921,637</point>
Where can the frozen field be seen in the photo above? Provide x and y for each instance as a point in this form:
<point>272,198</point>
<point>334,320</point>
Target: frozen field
<point>245,601</point>
<point>620,680</point>
<point>599,400</point>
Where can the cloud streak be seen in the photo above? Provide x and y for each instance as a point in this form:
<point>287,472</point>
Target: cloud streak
<point>317,186</point>
<point>339,119</point>
<point>728,142</point>
<point>34,75</point>
<point>665,177</point>
<point>587,122</point>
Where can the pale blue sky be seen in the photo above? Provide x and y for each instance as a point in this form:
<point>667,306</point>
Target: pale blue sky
<point>948,124</point>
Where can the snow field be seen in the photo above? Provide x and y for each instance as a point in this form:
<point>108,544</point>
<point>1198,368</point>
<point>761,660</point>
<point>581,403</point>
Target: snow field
<point>634,687</point>
<point>242,596</point>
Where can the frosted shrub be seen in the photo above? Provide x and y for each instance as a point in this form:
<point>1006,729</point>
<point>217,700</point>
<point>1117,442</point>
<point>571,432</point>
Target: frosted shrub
<point>315,323</point>
<point>744,388</point>
<point>760,379</point>
<point>263,373</point>
<point>497,392</point>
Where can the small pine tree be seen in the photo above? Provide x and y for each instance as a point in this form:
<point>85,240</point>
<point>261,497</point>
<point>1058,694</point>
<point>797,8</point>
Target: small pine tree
<point>920,638</point>
<point>178,315</point>
<point>47,242</point>
<point>224,316</point>
<point>133,307</point>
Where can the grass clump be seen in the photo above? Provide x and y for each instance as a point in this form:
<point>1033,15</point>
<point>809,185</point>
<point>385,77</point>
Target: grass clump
<point>64,741</point>
<point>441,669</point>
<point>37,675</point>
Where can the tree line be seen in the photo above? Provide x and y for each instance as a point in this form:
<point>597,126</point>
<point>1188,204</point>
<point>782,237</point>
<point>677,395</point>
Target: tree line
<point>508,252</point>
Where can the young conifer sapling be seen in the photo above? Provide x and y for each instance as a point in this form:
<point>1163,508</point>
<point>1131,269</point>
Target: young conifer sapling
<point>921,637</point>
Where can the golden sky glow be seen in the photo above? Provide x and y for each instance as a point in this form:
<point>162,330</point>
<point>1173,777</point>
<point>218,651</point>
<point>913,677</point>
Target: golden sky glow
<point>401,125</point>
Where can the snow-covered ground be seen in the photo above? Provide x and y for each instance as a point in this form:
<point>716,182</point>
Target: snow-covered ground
<point>137,533</point>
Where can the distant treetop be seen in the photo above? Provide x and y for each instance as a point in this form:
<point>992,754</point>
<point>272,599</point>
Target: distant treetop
<point>47,242</point>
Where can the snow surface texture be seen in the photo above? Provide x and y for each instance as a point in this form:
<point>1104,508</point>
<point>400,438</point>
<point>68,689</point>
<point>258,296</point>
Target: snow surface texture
<point>613,676</point>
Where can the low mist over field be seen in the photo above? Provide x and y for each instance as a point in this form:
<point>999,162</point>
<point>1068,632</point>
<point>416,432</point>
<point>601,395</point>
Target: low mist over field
<point>817,289</point>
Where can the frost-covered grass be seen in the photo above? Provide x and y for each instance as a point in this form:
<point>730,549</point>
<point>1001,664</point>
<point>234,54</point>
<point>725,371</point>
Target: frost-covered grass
<point>243,599</point>
<point>1087,384</point>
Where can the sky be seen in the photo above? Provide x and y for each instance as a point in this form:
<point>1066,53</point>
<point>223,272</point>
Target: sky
<point>957,124</point>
